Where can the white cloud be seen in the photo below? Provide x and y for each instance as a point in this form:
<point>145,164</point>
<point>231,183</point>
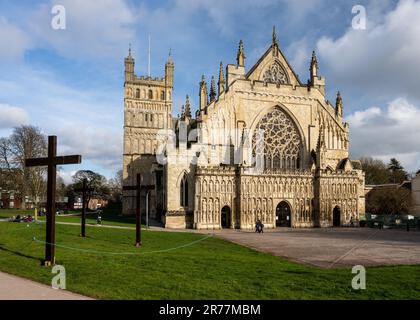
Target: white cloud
<point>300,54</point>
<point>101,146</point>
<point>11,117</point>
<point>100,29</point>
<point>394,132</point>
<point>382,59</point>
<point>86,121</point>
<point>66,175</point>
<point>13,41</point>
<point>360,118</point>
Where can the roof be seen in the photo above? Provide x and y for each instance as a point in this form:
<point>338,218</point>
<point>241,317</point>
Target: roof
<point>280,57</point>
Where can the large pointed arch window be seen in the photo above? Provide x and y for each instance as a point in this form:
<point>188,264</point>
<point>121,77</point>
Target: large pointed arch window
<point>184,191</point>
<point>277,141</point>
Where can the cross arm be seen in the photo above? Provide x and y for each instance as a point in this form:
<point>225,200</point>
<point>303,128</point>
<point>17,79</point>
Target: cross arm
<point>38,162</point>
<point>74,159</point>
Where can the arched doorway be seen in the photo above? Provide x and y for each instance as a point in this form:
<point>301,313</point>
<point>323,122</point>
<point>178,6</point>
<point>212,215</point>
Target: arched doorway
<point>337,217</point>
<point>225,217</point>
<point>283,215</point>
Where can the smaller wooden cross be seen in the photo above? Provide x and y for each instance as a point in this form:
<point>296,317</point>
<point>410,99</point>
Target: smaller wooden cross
<point>51,162</point>
<point>138,188</point>
<point>84,189</point>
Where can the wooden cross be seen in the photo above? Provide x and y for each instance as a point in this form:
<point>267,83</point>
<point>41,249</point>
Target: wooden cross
<point>138,188</point>
<point>51,161</point>
<point>84,190</point>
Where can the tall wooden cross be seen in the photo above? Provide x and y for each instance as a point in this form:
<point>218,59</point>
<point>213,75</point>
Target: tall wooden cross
<point>84,189</point>
<point>51,161</point>
<point>138,188</point>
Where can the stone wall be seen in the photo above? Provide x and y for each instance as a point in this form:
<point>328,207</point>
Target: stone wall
<point>415,189</point>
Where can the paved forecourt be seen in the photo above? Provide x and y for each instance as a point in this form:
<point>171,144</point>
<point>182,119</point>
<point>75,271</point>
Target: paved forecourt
<point>333,247</point>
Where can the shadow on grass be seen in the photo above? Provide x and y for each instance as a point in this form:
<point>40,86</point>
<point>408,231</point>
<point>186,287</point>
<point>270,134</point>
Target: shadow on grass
<point>113,213</point>
<point>2,248</point>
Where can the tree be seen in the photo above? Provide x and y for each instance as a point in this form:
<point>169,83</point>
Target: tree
<point>25,142</point>
<point>61,188</point>
<point>8,176</point>
<point>389,201</point>
<point>397,174</point>
<point>94,180</point>
<point>375,170</point>
<point>115,186</point>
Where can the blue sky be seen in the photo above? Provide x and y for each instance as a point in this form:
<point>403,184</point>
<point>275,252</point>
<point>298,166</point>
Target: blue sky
<point>70,82</point>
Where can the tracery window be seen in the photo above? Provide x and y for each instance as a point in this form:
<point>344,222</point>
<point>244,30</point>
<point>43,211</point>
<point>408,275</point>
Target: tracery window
<point>275,74</point>
<point>282,144</point>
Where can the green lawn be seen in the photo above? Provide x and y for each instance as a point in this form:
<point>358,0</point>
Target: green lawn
<point>7,213</point>
<point>209,269</point>
<point>109,217</point>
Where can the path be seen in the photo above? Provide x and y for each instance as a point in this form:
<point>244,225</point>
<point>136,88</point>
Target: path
<point>15,288</point>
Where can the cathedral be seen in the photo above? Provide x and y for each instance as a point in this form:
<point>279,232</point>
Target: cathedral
<point>262,146</point>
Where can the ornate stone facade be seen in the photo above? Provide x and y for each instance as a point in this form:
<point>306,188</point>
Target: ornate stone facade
<point>266,147</point>
<point>147,109</point>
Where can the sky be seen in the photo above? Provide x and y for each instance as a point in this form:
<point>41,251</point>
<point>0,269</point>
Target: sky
<point>69,82</point>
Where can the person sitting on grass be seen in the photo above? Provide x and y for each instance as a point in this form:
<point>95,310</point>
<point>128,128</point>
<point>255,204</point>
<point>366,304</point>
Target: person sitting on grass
<point>18,218</point>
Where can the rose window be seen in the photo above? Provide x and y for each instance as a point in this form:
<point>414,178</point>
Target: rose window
<point>277,141</point>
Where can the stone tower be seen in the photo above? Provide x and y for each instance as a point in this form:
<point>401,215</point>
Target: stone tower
<point>147,109</point>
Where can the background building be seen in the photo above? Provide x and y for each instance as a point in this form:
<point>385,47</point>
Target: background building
<point>415,191</point>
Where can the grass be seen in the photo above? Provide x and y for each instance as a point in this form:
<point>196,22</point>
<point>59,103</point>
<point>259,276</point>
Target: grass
<point>109,217</point>
<point>210,269</point>
<point>8,213</point>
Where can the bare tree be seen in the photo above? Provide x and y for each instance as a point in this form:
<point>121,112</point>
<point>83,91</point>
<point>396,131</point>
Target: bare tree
<point>25,142</point>
<point>115,185</point>
<point>6,173</point>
